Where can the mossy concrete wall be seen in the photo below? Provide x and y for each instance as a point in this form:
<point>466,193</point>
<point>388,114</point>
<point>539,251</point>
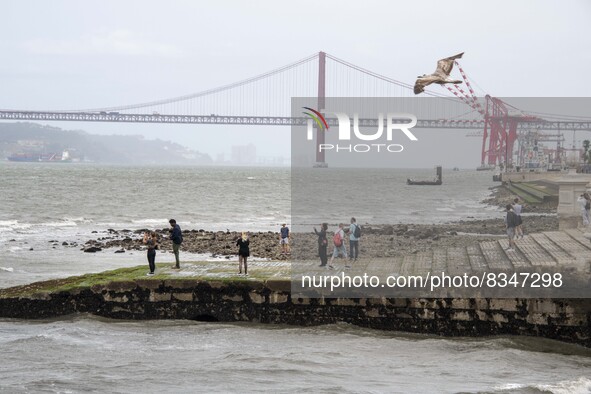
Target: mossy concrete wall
<point>271,302</point>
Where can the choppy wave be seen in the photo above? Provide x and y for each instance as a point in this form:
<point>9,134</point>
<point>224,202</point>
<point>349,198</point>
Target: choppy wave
<point>151,221</point>
<point>274,358</point>
<point>581,385</point>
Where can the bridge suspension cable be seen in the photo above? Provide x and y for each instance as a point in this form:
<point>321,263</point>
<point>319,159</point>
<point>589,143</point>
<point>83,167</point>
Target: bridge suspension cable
<point>379,76</point>
<point>209,91</point>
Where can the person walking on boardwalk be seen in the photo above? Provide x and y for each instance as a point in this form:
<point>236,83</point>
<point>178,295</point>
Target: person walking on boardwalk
<point>243,252</point>
<point>517,208</point>
<point>510,223</point>
<point>284,239</point>
<point>338,241</point>
<point>151,240</point>
<point>176,236</point>
<point>354,234</point>
<point>322,244</point>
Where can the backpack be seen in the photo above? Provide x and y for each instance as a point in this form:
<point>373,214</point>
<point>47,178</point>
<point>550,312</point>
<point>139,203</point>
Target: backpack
<point>357,231</point>
<point>337,239</point>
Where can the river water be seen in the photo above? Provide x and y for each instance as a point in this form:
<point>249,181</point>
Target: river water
<point>44,205</point>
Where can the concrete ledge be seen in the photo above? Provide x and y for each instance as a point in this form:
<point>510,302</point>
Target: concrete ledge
<point>251,300</point>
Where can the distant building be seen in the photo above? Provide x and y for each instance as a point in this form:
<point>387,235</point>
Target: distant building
<point>35,144</point>
<point>244,154</point>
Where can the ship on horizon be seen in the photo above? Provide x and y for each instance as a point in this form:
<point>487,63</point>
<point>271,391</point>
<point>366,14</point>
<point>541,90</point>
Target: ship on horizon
<point>63,157</point>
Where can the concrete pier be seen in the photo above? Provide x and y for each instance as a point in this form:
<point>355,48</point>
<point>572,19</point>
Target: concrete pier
<point>213,291</point>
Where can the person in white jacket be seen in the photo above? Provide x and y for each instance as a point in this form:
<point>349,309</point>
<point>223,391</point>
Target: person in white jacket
<point>584,201</point>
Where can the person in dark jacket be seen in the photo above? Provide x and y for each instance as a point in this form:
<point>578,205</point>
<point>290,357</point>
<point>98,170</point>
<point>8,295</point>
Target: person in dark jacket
<point>151,240</point>
<point>510,224</point>
<point>176,237</point>
<point>243,252</point>
<point>322,244</point>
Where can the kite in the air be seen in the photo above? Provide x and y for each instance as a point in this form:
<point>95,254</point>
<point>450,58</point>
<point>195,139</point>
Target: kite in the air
<point>440,76</point>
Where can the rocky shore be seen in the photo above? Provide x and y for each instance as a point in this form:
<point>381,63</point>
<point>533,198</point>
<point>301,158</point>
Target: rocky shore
<point>384,240</point>
<point>376,241</point>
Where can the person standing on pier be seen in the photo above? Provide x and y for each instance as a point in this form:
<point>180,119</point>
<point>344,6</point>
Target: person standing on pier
<point>354,234</point>
<point>176,236</point>
<point>151,240</point>
<point>510,224</point>
<point>243,252</point>
<point>517,208</point>
<point>338,241</point>
<point>322,244</point>
<point>585,203</point>
<point>284,238</point>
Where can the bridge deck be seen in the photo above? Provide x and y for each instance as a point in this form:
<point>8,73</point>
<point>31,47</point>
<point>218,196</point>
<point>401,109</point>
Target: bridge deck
<point>116,117</point>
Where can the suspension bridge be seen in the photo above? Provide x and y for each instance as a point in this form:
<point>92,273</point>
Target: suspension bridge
<point>266,100</point>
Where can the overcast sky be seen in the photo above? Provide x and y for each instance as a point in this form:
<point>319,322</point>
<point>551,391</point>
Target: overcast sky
<point>84,54</point>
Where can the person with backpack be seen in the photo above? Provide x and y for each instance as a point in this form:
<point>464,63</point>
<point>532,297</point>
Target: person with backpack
<point>338,241</point>
<point>322,244</point>
<point>176,236</point>
<point>354,234</point>
<point>510,224</point>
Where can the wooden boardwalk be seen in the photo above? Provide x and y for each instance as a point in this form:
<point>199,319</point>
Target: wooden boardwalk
<point>550,249</point>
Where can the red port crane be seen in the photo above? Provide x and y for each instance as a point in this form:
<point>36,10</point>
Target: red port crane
<point>500,125</point>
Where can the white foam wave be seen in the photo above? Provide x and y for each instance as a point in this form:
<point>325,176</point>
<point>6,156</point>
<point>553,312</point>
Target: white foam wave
<point>7,269</point>
<point>581,385</point>
<point>79,219</point>
<point>15,225</point>
<point>151,221</point>
<point>63,223</point>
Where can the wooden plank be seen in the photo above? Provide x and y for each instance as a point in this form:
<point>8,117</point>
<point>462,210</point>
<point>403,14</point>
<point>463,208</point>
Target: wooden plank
<point>577,235</point>
<point>495,257</point>
<point>408,264</point>
<point>534,252</point>
<point>516,257</point>
<point>477,260</point>
<point>424,263</point>
<point>458,262</point>
<point>557,245</point>
<point>439,260</point>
